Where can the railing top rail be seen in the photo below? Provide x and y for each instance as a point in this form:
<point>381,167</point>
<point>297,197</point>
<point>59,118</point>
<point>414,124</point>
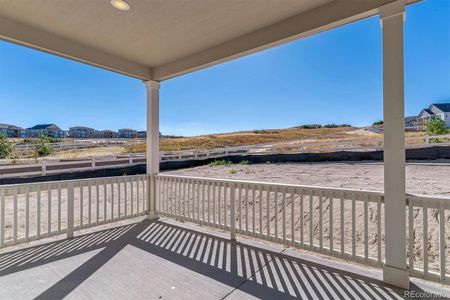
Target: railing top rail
<point>282,185</point>
<point>64,182</point>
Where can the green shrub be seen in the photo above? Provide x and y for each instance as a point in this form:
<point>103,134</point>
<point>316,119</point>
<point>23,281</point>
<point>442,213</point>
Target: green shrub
<point>436,127</point>
<point>54,140</point>
<point>43,147</point>
<point>6,147</point>
<point>222,162</point>
<point>378,123</point>
<point>244,162</point>
<point>309,126</point>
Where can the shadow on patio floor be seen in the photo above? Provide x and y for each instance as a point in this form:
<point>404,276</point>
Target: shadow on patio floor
<point>246,269</point>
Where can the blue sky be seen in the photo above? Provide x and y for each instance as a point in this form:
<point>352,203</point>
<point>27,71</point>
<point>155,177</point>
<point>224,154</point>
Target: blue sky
<point>332,77</point>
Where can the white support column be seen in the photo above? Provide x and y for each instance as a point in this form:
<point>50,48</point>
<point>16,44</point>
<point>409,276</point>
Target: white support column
<point>152,142</point>
<point>395,271</point>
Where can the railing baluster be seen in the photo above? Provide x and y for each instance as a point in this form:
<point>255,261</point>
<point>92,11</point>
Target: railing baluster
<point>15,224</point>
<point>379,232</point>
<point>214,199</point>
<point>125,192</point>
<point>70,210</point>
<point>132,196</point>
<point>425,238</point>
<point>302,238</point>
<point>268,211</point>
<point>190,194</point>
<point>97,202</point>
<point>38,214</point>
<point>112,200</point>
<point>260,211</point>
<point>283,203</point>
<point>203,202</point>
<point>49,210</point>
<point>331,211</point>
<point>253,209</point>
<point>246,208</point>
<point>366,228</point>
<point>292,217</point>
<point>342,225</point>
<point>411,236</point>
<point>81,205</point>
<point>104,201</point>
<point>208,194</point>
<point>226,196</point>
<point>89,204</point>
<point>442,261</point>
<point>320,221</point>
<point>119,197</point>
<point>27,213</point>
<point>2,217</point>
<point>353,225</point>
<point>197,198</point>
<point>276,212</point>
<point>311,233</point>
<point>59,208</point>
<point>232,212</point>
<point>240,205</point>
<point>139,193</point>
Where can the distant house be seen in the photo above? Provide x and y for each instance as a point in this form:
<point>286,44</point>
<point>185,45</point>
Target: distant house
<point>434,111</point>
<point>106,134</point>
<point>128,133</point>
<point>81,132</point>
<point>142,134</point>
<point>12,131</point>
<point>50,130</point>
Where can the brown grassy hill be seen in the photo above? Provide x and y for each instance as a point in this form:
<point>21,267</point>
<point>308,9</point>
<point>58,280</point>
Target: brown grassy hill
<point>242,138</point>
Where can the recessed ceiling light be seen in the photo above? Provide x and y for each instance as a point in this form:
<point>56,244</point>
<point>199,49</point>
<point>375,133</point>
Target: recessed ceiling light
<point>120,5</point>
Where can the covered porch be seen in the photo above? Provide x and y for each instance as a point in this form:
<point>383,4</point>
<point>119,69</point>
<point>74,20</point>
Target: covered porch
<point>282,214</point>
<point>166,259</point>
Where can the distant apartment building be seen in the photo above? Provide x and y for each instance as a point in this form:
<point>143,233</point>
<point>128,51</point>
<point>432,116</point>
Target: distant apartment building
<point>12,131</point>
<point>50,130</point>
<point>106,134</point>
<point>81,132</point>
<point>142,134</point>
<point>127,133</point>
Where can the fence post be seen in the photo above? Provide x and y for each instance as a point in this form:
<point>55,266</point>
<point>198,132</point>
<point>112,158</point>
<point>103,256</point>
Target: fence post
<point>427,139</point>
<point>93,163</point>
<point>130,159</point>
<point>70,210</point>
<point>232,212</point>
<point>44,168</point>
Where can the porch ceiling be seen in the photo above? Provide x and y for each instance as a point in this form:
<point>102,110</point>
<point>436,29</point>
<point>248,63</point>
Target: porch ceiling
<point>160,39</point>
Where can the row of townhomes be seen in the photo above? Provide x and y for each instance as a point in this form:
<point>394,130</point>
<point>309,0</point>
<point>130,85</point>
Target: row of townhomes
<point>79,132</point>
<point>434,111</point>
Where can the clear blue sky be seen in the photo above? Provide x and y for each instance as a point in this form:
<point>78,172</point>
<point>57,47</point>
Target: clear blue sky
<point>332,77</point>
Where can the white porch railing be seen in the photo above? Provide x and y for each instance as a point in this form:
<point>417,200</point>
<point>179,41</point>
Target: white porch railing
<point>38,210</point>
<point>344,223</point>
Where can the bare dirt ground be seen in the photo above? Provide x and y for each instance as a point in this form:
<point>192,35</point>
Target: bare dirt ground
<point>422,178</point>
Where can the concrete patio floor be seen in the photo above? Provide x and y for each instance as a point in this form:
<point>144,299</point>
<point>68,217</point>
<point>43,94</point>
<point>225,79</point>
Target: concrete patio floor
<point>172,260</point>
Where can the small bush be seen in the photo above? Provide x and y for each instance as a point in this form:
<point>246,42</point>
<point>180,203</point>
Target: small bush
<point>6,147</point>
<point>380,122</point>
<point>309,126</point>
<point>222,162</point>
<point>233,171</point>
<point>244,162</point>
<point>54,140</point>
<point>43,147</point>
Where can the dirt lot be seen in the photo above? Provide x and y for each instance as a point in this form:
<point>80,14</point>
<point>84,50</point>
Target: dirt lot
<point>421,178</point>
